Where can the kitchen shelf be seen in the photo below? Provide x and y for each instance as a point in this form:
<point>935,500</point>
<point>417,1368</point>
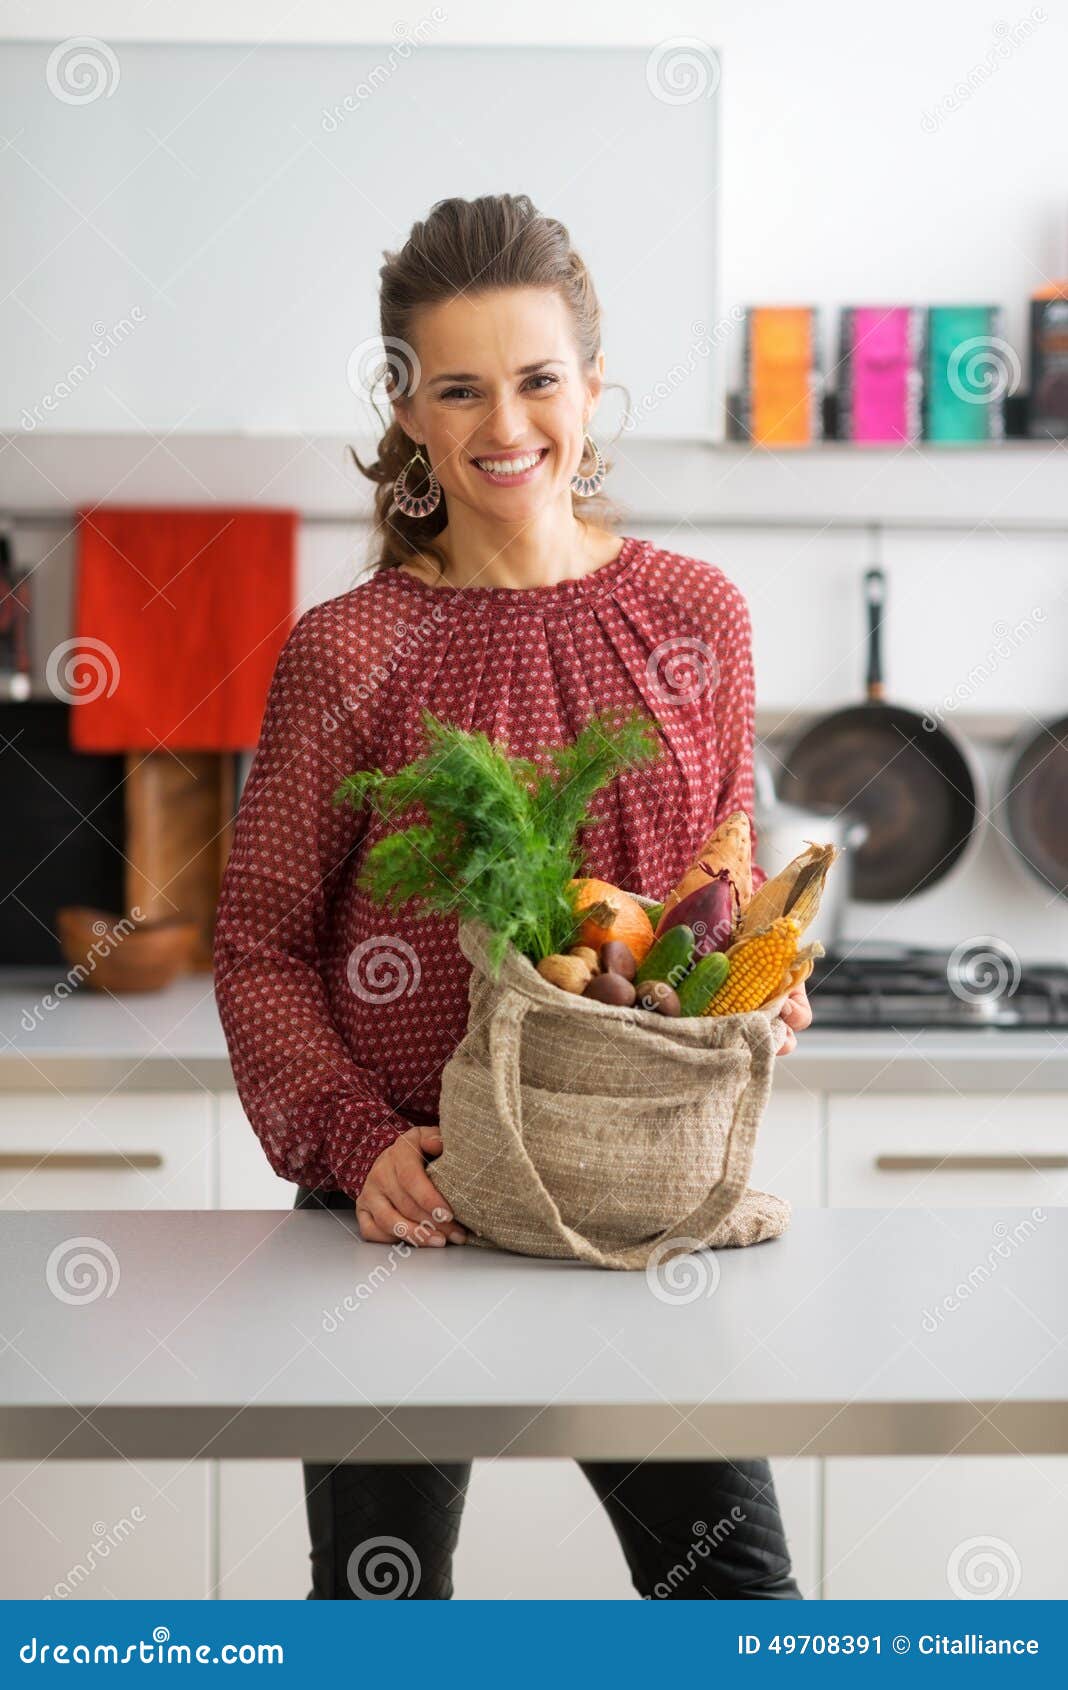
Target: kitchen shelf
<point>1016,485</point>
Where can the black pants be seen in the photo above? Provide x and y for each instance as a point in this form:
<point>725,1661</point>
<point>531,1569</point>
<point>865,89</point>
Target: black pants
<point>690,1530</point>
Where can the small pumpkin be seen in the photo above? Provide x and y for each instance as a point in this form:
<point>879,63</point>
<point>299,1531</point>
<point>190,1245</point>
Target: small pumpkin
<point>612,914</point>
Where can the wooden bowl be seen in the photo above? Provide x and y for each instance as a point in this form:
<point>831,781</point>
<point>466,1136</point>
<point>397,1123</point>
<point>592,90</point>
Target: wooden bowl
<point>118,954</point>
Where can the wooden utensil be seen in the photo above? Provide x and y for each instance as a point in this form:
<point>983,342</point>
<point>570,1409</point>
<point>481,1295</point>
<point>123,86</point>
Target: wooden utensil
<point>179,829</point>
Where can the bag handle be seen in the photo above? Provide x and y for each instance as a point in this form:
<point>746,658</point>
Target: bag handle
<point>505,1030</point>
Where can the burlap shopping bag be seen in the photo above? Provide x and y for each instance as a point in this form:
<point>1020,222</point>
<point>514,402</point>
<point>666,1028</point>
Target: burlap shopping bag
<point>576,1129</point>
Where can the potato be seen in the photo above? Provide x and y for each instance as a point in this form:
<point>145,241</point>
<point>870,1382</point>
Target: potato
<point>588,955</point>
<point>659,997</point>
<point>610,987</point>
<point>619,958</point>
<point>570,973</point>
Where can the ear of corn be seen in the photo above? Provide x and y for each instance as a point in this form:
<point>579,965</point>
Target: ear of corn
<point>796,890</point>
<point>759,966</point>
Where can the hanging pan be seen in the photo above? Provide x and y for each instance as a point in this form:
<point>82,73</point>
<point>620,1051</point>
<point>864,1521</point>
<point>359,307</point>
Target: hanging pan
<point>1035,802</point>
<point>916,785</point>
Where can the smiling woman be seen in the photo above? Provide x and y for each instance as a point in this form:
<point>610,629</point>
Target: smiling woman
<point>487,471</point>
<point>497,605</point>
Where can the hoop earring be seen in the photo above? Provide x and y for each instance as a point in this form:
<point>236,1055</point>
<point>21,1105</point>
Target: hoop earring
<point>416,504</point>
<point>587,485</point>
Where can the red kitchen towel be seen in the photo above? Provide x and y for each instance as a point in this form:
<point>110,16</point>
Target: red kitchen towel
<point>180,616</point>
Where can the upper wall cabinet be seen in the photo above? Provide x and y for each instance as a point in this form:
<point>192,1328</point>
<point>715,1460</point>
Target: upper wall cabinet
<point>200,228</point>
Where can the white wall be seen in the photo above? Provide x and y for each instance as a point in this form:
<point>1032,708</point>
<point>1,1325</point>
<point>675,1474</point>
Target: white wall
<point>847,175</point>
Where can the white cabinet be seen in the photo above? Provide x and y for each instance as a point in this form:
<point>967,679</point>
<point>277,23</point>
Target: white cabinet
<point>974,1151</point>
<point>125,1150</point>
<point>263,1532</point>
<point>788,1159</point>
<point>106,1528</point>
<point>956,1527</point>
<point>246,1178</point>
<point>948,1526</point>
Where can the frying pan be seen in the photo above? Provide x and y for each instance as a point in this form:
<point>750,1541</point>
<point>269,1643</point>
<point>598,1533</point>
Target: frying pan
<point>1035,802</point>
<point>916,785</point>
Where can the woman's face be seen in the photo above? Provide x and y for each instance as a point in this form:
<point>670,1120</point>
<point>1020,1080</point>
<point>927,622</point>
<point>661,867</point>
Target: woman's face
<point>501,381</point>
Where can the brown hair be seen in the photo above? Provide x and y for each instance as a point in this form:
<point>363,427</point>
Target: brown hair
<point>467,247</point>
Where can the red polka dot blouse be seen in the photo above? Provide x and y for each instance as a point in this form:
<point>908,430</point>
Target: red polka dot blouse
<point>339,1016</point>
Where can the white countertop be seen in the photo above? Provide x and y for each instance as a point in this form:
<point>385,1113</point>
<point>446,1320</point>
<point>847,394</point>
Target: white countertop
<point>172,1041</point>
<point>252,1334</point>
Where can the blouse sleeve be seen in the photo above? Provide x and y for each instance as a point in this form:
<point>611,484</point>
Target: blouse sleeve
<point>735,705</point>
<point>321,1118</point>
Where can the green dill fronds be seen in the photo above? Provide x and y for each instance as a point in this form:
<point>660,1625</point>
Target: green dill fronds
<point>499,840</point>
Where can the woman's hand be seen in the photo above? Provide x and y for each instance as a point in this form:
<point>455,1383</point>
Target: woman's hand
<point>797,1014</point>
<point>400,1201</point>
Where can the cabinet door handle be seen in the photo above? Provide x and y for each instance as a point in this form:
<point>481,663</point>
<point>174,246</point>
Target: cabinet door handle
<point>80,1161</point>
<point>1017,1162</point>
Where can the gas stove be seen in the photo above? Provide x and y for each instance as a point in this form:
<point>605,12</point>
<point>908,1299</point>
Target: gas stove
<point>980,984</point>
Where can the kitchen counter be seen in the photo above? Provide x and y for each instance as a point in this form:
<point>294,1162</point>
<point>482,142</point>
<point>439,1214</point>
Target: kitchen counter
<point>244,1333</point>
<point>172,1041</point>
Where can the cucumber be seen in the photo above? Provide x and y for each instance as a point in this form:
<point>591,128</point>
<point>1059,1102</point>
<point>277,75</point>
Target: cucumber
<point>654,914</point>
<point>669,958</point>
<point>703,982</point>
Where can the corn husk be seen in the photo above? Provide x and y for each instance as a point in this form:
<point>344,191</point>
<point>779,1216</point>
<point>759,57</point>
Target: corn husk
<point>796,890</point>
